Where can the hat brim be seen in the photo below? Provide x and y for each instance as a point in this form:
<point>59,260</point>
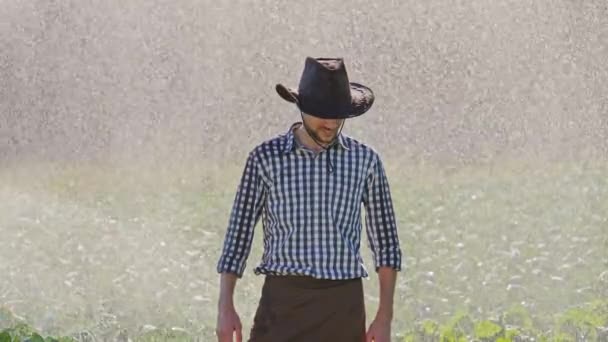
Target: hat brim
<point>362,100</point>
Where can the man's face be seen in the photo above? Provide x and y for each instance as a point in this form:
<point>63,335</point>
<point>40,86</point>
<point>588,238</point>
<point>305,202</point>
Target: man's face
<point>324,130</point>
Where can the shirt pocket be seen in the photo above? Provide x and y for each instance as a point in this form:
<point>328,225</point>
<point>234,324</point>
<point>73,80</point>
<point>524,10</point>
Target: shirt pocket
<point>289,195</point>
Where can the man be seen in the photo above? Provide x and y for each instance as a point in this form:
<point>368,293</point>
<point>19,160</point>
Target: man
<point>308,186</point>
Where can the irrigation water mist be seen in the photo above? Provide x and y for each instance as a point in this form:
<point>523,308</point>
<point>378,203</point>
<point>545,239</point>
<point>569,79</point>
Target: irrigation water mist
<point>123,128</point>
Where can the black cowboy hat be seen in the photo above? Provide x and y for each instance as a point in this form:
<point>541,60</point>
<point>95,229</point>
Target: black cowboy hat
<point>325,91</point>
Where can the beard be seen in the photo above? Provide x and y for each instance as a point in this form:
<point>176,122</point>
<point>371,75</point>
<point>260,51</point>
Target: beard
<point>321,136</point>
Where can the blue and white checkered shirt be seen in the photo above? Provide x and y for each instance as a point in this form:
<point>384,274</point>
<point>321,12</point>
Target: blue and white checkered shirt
<point>311,209</point>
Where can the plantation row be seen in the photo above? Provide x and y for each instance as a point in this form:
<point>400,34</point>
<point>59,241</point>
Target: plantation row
<point>582,323</point>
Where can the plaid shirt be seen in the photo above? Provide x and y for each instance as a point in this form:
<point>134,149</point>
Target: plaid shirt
<point>311,209</point>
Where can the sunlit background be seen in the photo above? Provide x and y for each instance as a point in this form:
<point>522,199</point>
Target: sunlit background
<point>124,126</point>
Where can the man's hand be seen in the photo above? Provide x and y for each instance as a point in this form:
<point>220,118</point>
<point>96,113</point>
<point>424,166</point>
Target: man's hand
<point>228,321</point>
<point>379,330</point>
<point>228,325</point>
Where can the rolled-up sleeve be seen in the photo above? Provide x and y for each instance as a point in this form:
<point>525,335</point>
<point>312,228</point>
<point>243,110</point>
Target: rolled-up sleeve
<point>246,210</point>
<point>380,218</point>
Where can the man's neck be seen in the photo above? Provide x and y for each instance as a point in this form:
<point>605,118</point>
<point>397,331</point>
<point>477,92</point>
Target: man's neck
<point>305,139</point>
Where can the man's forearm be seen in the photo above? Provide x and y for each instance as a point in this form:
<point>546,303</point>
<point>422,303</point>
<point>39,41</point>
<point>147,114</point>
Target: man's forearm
<point>387,277</point>
<point>227,285</point>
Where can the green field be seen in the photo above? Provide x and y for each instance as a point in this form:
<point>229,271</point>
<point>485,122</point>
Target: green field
<point>106,252</point>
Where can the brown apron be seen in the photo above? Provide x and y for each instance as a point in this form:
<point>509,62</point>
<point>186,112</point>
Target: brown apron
<point>302,308</point>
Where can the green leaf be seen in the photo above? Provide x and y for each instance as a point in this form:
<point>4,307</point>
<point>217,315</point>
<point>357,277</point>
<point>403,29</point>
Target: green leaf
<point>5,336</point>
<point>430,328</point>
<point>458,327</point>
<point>35,338</point>
<point>21,330</point>
<point>582,316</point>
<point>452,336</point>
<point>511,333</point>
<point>487,329</point>
<point>563,338</point>
<point>519,316</point>
<point>409,338</point>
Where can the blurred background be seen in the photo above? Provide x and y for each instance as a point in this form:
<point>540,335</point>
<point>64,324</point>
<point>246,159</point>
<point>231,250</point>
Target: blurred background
<point>124,126</point>
<point>458,80</point>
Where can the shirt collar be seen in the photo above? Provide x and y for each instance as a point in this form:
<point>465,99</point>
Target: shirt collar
<point>290,142</point>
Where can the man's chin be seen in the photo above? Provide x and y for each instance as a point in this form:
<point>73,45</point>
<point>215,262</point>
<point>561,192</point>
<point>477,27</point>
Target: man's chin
<point>327,139</point>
